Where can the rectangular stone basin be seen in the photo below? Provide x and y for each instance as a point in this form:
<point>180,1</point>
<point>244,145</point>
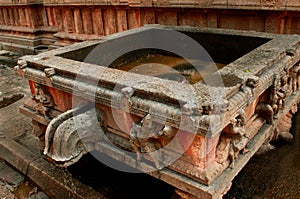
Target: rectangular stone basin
<point>189,106</point>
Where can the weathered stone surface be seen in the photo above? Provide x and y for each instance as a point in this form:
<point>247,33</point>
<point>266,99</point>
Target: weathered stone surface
<point>261,91</point>
<point>10,176</point>
<point>38,195</point>
<point>70,21</point>
<point>20,149</point>
<point>57,183</point>
<point>16,155</point>
<point>37,25</point>
<point>14,185</point>
<point>6,193</point>
<point>238,4</point>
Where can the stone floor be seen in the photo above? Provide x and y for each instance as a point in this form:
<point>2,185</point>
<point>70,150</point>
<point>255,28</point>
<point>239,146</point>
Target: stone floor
<point>14,185</point>
<point>5,193</point>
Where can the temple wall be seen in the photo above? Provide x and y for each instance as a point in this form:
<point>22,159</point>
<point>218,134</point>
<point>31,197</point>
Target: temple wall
<point>33,26</point>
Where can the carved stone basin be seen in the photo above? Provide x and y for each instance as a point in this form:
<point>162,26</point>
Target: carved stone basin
<point>189,106</point>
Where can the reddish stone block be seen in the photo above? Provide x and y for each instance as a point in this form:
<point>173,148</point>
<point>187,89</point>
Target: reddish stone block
<point>134,18</point>
<point>192,19</point>
<point>121,20</point>
<point>250,110</point>
<point>256,23</point>
<point>59,99</point>
<point>109,18</point>
<point>5,16</point>
<point>50,16</point>
<point>212,20</point>
<point>29,17</point>
<point>122,120</point>
<point>211,145</point>
<point>272,24</point>
<point>21,12</point>
<point>1,18</point>
<point>98,21</point>
<point>68,21</point>
<point>78,21</point>
<point>58,18</point>
<point>43,16</point>
<point>11,17</point>
<point>73,101</point>
<point>147,16</point>
<point>16,17</point>
<point>32,86</point>
<point>167,18</point>
<point>37,16</point>
<point>295,25</point>
<point>87,21</point>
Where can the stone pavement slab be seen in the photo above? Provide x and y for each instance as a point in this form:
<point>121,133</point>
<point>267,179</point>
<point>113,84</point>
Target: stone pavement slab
<point>13,185</point>
<point>10,176</point>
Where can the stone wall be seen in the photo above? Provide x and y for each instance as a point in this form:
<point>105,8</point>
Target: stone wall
<point>215,4</point>
<point>23,26</point>
<point>32,26</point>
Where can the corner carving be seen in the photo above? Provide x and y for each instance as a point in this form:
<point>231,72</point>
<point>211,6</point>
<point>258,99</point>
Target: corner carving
<point>44,101</point>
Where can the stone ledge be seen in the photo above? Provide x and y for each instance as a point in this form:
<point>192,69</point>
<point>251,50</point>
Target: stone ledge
<point>74,36</point>
<point>16,155</point>
<point>28,29</point>
<point>54,181</point>
<point>57,183</point>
